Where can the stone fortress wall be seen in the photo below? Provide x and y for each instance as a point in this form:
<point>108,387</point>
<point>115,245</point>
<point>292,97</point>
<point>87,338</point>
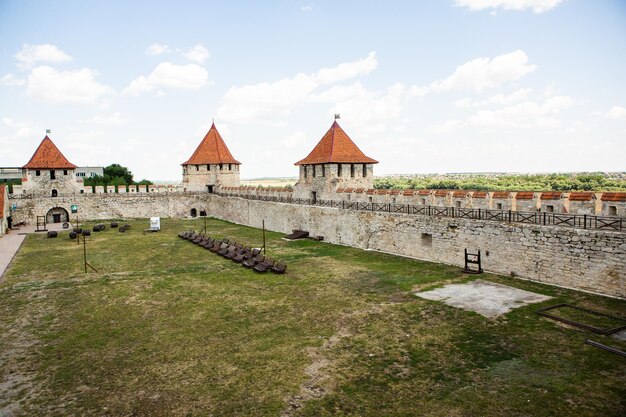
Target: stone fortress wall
<point>591,260</point>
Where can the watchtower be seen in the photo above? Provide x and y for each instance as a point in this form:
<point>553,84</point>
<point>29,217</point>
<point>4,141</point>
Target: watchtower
<point>334,162</point>
<point>211,165</point>
<point>49,173</point>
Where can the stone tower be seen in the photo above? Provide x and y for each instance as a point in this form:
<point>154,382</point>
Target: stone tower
<point>211,165</point>
<point>49,173</point>
<point>334,162</point>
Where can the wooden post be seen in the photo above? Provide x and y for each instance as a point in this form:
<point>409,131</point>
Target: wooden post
<point>85,253</point>
<point>263,237</point>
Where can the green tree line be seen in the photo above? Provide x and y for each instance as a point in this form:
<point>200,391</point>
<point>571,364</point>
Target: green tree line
<point>538,182</point>
<point>114,174</point>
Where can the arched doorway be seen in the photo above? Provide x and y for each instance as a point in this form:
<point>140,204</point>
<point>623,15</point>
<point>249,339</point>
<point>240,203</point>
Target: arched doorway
<point>57,215</point>
<point>194,212</point>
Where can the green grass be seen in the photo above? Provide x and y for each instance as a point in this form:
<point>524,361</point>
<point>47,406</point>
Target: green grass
<point>166,328</point>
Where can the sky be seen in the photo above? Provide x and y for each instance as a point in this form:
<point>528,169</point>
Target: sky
<point>430,86</point>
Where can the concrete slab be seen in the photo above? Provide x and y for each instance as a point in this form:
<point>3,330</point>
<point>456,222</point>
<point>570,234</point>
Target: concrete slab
<point>483,297</point>
<point>621,335</point>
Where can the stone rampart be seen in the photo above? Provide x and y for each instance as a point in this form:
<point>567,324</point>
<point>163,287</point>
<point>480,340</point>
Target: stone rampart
<point>591,260</point>
<point>575,258</point>
<point>112,206</point>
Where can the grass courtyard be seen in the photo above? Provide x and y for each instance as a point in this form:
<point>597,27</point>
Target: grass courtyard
<point>166,328</point>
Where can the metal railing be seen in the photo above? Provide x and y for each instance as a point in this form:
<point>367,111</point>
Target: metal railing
<point>581,221</point>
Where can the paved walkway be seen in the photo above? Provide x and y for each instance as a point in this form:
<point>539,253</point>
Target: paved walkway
<point>10,243</point>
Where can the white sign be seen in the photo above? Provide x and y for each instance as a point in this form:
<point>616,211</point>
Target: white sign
<point>155,223</point>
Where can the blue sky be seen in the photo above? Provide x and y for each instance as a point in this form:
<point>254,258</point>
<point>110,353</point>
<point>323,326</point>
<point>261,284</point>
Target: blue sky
<point>422,86</point>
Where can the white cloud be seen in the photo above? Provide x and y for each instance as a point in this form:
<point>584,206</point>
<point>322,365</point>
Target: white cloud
<point>114,119</point>
<point>22,129</point>
<point>616,113</point>
<point>347,70</point>
<point>295,141</point>
<point>11,81</point>
<point>527,114</point>
<point>50,85</point>
<point>307,8</point>
<point>198,54</point>
<point>157,49</point>
<point>364,110</point>
<point>166,74</point>
<point>523,115</point>
<point>515,96</point>
<point>537,6</point>
<point>445,127</point>
<point>484,73</point>
<point>268,102</point>
<point>29,55</point>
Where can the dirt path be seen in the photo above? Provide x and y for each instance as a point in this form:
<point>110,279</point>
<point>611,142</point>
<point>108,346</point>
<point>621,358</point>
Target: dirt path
<point>319,372</point>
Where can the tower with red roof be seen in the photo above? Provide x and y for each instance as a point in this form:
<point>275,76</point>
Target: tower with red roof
<point>334,162</point>
<point>211,165</point>
<point>49,173</point>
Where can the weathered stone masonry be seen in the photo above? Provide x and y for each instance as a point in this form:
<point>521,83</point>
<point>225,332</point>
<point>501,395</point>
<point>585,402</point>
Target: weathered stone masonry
<point>589,260</point>
<point>575,258</point>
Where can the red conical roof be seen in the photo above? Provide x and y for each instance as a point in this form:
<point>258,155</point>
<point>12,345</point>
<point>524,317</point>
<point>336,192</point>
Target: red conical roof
<point>48,156</point>
<point>336,147</point>
<point>212,150</point>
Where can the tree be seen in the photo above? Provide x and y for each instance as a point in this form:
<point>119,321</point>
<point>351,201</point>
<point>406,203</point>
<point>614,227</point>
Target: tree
<point>118,171</point>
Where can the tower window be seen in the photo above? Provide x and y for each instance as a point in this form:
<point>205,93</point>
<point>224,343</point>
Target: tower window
<point>364,170</point>
<point>230,167</point>
<point>323,170</point>
<point>197,167</point>
<point>208,167</point>
<point>352,170</point>
<point>65,172</point>
<point>52,174</point>
<point>37,173</point>
<point>339,170</point>
<point>305,169</point>
<point>221,167</point>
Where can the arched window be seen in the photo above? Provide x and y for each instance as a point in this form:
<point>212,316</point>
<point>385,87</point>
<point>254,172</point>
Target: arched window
<point>194,212</point>
<point>54,193</point>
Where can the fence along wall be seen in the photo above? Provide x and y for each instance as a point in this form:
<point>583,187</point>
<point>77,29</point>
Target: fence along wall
<point>574,258</point>
<point>591,203</point>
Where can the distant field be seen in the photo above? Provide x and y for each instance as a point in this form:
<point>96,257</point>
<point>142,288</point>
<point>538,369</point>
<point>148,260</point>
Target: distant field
<point>270,182</point>
<point>167,328</point>
<point>508,182</point>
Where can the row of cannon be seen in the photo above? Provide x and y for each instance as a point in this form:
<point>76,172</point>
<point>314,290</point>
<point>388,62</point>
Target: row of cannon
<point>236,252</point>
